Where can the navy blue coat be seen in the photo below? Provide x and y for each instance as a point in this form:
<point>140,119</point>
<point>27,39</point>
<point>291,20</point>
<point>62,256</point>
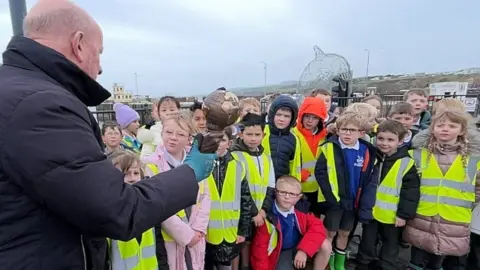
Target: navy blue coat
<point>368,183</point>
<point>282,141</point>
<point>59,195</point>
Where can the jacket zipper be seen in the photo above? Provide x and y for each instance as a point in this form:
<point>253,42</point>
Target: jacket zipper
<point>83,253</point>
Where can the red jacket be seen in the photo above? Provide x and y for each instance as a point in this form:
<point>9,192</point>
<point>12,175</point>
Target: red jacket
<point>313,234</point>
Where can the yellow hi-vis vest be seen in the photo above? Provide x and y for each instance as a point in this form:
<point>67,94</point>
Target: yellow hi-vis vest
<point>328,151</point>
<point>273,241</point>
<point>182,215</point>
<point>451,195</point>
<point>309,161</point>
<point>225,208</point>
<point>295,164</point>
<point>388,192</point>
<point>260,170</point>
<point>133,256</point>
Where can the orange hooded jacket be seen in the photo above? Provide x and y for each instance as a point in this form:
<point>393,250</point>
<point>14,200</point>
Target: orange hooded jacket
<point>315,106</point>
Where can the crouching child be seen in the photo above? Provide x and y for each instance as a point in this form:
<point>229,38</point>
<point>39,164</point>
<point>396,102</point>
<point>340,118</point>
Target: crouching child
<point>289,237</point>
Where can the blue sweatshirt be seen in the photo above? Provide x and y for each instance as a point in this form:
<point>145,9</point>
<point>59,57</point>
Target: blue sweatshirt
<point>288,223</point>
<point>354,158</point>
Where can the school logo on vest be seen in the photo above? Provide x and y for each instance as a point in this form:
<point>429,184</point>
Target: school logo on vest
<point>359,162</point>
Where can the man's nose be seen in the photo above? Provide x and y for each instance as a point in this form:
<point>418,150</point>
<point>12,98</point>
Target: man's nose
<point>100,70</point>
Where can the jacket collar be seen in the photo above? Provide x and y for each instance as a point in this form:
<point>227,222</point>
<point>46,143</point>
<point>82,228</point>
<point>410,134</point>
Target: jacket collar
<point>28,54</point>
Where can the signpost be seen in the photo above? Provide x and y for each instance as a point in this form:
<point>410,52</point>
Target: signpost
<point>452,89</point>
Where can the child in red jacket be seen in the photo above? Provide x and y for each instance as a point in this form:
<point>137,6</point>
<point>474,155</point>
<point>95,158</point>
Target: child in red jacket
<point>289,236</point>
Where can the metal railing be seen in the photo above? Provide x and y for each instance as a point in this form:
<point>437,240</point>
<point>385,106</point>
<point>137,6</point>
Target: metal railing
<point>471,102</point>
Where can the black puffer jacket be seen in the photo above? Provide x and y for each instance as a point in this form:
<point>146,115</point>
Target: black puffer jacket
<point>226,252</point>
<point>282,141</point>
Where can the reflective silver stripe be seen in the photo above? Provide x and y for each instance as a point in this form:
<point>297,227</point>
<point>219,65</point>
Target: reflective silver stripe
<point>148,252</point>
<point>387,205</point>
<point>235,205</point>
<point>309,164</point>
<point>226,224</point>
<point>435,182</point>
<point>472,168</point>
<point>271,247</point>
<point>417,156</point>
<point>446,200</point>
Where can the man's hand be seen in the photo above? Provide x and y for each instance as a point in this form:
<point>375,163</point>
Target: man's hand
<point>300,260</point>
<point>258,220</point>
<point>240,239</point>
<point>196,238</point>
<point>201,163</point>
<point>399,222</point>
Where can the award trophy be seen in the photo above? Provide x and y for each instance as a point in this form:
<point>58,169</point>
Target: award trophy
<point>221,110</point>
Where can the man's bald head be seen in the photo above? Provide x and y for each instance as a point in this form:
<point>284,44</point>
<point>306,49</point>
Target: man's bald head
<point>68,29</point>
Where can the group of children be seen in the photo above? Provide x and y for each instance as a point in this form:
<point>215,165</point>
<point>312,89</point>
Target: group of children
<point>292,185</point>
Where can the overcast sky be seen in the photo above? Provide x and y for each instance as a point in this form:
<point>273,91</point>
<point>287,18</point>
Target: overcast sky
<point>187,47</point>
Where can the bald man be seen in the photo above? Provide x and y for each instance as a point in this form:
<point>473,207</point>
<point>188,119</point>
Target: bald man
<point>59,196</point>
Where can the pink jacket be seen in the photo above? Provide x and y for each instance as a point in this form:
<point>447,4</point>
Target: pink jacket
<point>181,232</point>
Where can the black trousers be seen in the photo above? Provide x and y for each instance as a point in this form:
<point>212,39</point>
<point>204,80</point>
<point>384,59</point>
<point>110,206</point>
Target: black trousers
<point>389,250</point>
<point>473,260</point>
<point>419,257</point>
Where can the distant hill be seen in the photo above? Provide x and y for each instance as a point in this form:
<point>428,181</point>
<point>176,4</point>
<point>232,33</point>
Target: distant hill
<point>385,84</point>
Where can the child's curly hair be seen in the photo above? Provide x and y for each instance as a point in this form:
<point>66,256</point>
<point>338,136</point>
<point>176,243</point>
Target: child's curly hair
<point>456,116</point>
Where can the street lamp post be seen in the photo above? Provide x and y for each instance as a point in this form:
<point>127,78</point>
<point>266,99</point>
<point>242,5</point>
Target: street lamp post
<point>18,10</point>
<point>264,77</point>
<point>368,63</point>
<point>136,83</point>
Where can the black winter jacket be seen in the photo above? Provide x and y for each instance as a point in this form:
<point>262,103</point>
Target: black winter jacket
<point>270,197</point>
<point>410,192</point>
<point>282,141</point>
<point>225,252</point>
<point>59,195</point>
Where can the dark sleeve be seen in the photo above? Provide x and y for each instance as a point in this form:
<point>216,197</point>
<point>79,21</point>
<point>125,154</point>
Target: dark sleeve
<point>51,152</point>
<point>269,199</point>
<point>369,190</point>
<point>160,249</point>
<point>321,174</point>
<point>409,194</point>
<point>245,205</point>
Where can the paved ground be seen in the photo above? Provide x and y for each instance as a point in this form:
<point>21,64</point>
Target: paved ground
<point>403,259</point>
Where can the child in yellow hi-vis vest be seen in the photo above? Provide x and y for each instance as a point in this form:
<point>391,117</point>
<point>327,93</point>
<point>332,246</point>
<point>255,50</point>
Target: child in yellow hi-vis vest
<point>183,233</point>
<point>230,209</point>
<point>397,195</point>
<point>260,173</point>
<point>447,157</point>
<point>140,252</point>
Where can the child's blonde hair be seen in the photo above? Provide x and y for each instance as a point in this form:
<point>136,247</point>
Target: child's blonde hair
<point>125,160</point>
<point>250,101</point>
<point>365,109</point>
<point>456,116</point>
<point>352,118</point>
<point>448,103</point>
<point>184,120</point>
<point>373,97</point>
<point>289,180</point>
